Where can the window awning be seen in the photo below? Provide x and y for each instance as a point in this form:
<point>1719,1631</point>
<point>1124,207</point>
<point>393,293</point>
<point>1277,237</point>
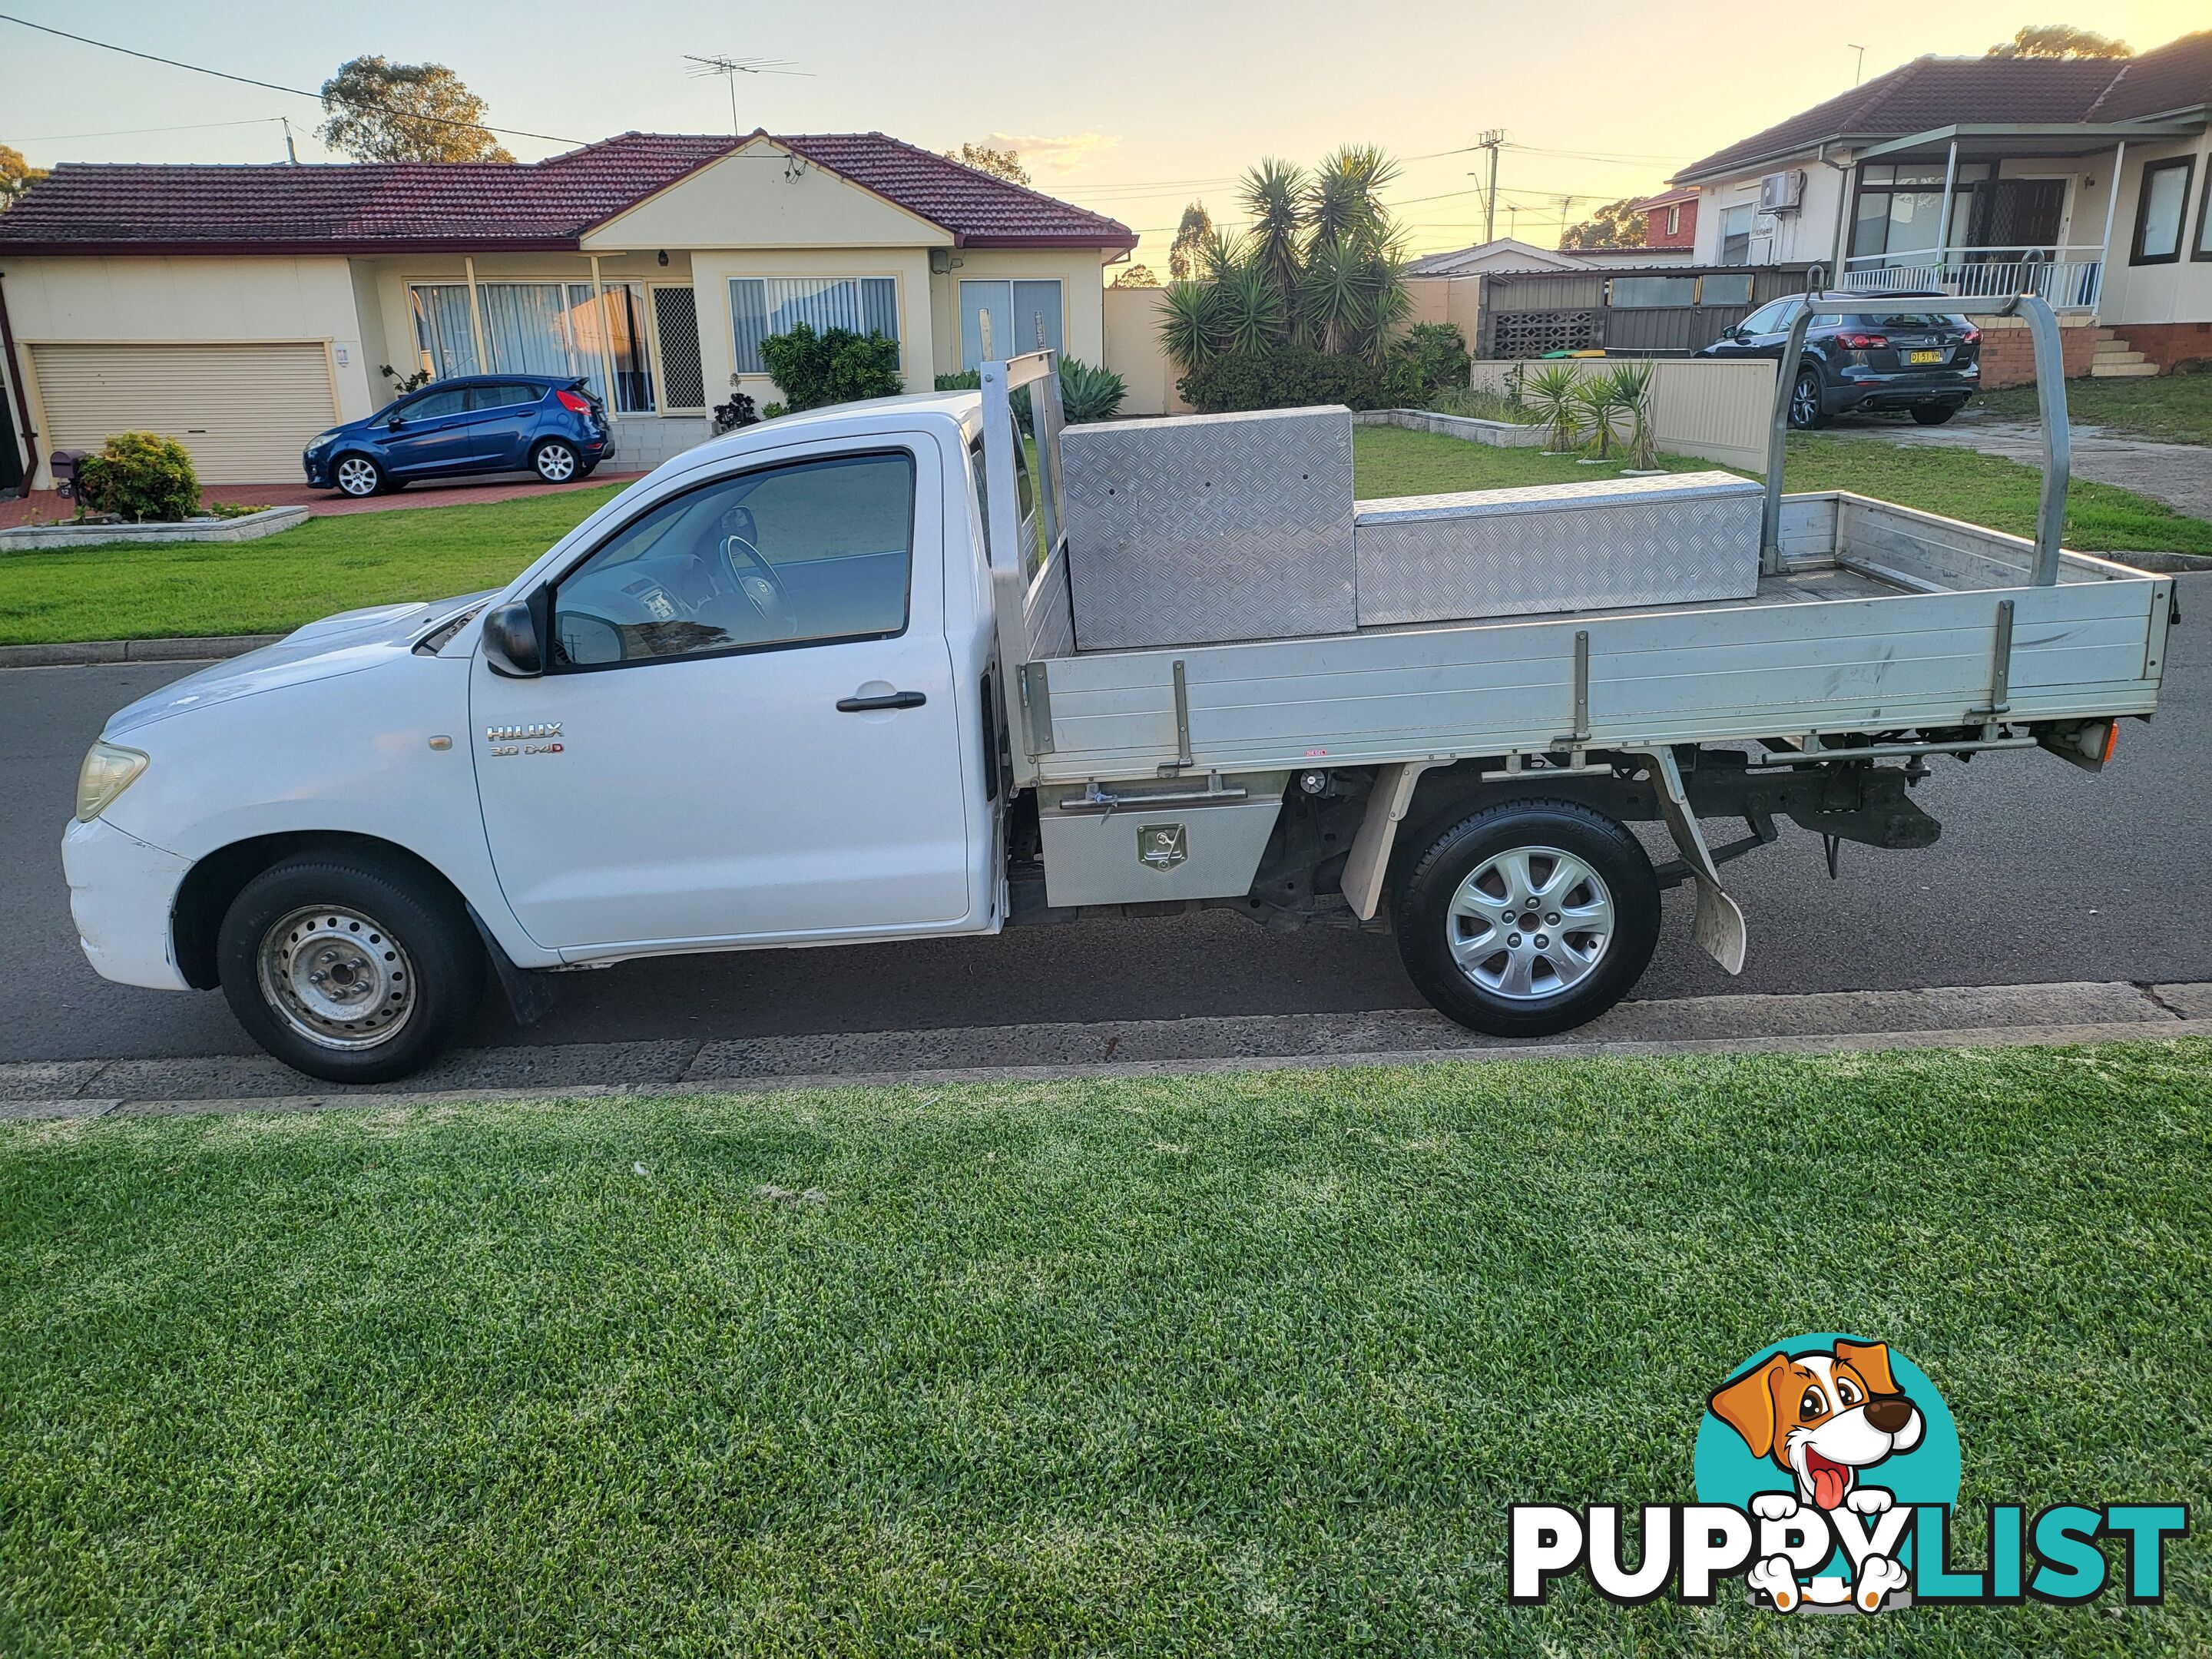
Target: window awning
<point>1999,140</point>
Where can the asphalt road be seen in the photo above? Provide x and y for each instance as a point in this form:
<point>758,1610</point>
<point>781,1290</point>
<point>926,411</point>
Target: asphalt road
<point>2044,874</point>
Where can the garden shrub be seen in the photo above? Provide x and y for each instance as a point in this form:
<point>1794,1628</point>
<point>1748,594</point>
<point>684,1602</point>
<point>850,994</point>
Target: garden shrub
<point>141,476</point>
<point>1288,378</point>
<point>1085,393</point>
<point>834,366</point>
<point>1427,359</point>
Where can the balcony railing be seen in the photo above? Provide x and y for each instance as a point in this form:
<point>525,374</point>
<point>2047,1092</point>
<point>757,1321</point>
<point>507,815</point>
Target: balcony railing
<point>2069,278</point>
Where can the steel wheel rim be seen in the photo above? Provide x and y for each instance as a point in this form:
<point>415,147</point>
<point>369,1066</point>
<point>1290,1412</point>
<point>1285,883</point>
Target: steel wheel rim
<point>1530,922</point>
<point>556,462</point>
<point>1805,400</point>
<point>356,478</point>
<point>337,977</point>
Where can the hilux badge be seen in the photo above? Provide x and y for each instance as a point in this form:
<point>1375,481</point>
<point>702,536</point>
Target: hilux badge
<point>1162,846</point>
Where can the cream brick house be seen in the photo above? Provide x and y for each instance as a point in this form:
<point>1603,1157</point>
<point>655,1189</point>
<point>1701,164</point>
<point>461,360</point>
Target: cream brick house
<point>244,308</point>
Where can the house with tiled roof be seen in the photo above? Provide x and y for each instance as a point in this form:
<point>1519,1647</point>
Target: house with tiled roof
<point>243,309</point>
<point>2086,180</point>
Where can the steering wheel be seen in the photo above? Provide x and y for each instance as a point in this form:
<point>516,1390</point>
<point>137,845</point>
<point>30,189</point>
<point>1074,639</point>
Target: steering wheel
<point>763,588</point>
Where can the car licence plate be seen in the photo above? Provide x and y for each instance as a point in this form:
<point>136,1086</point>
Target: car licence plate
<point>1925,357</point>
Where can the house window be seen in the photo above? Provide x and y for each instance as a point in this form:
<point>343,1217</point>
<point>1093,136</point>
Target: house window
<point>762,308</point>
<point>1736,235</point>
<point>1899,202</point>
<point>1636,293</point>
<point>1003,320</point>
<point>1674,221</point>
<point>1724,290</point>
<point>555,329</point>
<point>2165,197</point>
<point>2201,249</point>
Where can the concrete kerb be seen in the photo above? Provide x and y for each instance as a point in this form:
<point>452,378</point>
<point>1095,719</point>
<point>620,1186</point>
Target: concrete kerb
<point>2157,1013</point>
<point>84,653</point>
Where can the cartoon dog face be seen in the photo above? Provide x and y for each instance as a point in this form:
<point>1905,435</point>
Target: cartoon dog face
<point>1822,1416</point>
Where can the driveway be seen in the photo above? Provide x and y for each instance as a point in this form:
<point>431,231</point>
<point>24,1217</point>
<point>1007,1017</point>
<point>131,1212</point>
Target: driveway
<point>43,506</point>
<point>2044,874</point>
<point>2180,475</point>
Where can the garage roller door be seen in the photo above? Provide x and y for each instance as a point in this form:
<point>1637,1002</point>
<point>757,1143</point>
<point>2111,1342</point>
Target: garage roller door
<point>244,411</point>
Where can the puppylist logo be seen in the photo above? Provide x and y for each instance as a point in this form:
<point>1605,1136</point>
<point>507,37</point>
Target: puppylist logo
<point>1827,1474</point>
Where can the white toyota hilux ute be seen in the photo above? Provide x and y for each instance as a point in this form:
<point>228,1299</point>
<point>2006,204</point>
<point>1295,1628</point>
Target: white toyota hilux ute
<point>819,681</point>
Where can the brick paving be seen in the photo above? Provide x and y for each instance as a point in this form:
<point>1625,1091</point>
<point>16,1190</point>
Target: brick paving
<point>42,505</point>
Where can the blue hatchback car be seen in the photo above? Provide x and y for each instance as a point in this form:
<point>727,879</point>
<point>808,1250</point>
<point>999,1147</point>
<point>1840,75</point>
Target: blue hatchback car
<point>555,428</point>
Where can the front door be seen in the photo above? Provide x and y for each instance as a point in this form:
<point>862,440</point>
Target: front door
<point>427,434</point>
<point>2016,215</point>
<point>749,731</point>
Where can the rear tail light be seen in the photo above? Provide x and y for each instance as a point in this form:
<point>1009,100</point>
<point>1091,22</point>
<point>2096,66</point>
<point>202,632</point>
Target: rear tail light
<point>1863,342</point>
<point>574,400</point>
<point>1972,337</point>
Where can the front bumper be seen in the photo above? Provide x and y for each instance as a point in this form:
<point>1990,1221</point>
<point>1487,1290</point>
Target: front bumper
<point>317,469</point>
<point>122,895</point>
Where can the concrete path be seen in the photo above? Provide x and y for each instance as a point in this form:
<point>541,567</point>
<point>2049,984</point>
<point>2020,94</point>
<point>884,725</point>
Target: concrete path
<point>2180,475</point>
<point>1996,1015</point>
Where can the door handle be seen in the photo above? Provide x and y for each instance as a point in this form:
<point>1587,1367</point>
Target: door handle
<point>892,699</point>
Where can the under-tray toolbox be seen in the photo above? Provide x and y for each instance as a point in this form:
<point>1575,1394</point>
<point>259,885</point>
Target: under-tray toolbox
<point>1196,528</point>
<point>1605,544</point>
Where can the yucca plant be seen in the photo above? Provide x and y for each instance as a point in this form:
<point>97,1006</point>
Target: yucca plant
<point>1088,393</point>
<point>1550,395</point>
<point>1632,396</point>
<point>1250,313</point>
<point>1594,402</point>
<point>1190,323</point>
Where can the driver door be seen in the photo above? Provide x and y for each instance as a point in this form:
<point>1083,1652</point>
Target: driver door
<point>747,731</point>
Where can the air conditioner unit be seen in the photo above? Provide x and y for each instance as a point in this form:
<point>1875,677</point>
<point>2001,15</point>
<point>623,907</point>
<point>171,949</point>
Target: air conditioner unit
<point>1782,192</point>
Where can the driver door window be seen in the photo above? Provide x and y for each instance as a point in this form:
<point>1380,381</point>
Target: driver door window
<point>803,554</point>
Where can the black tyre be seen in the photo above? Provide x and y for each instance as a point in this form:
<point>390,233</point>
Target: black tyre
<point>360,476</point>
<point>351,967</point>
<point>1806,410</point>
<point>1935,414</point>
<point>1528,917</point>
<point>555,461</point>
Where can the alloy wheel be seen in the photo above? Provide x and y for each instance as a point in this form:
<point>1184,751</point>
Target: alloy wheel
<point>1530,922</point>
<point>557,463</point>
<point>357,476</point>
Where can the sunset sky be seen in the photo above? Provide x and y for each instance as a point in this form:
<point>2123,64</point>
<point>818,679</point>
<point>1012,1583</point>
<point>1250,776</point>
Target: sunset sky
<point>1132,108</point>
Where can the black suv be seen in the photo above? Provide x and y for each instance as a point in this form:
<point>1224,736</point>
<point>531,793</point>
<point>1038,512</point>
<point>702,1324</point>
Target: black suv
<point>1924,362</point>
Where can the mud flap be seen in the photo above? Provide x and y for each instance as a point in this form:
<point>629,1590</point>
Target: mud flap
<point>1719,929</point>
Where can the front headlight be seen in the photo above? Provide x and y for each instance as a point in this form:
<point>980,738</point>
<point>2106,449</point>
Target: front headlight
<point>316,446</point>
<point>109,770</point>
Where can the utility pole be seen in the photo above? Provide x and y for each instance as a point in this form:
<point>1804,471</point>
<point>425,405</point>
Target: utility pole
<point>1491,141</point>
<point>291,150</point>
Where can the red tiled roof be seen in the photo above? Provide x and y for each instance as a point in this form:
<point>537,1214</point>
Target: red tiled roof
<point>371,207</point>
<point>1938,92</point>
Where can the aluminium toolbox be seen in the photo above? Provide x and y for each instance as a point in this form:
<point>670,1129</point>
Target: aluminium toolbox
<point>1193,529</point>
<point>1605,544</point>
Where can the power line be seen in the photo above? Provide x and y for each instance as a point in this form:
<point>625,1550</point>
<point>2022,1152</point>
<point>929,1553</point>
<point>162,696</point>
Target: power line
<point>271,86</point>
<point>133,132</point>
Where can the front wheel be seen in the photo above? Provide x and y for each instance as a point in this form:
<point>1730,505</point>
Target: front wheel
<point>351,967</point>
<point>1805,410</point>
<point>555,461</point>
<point>359,476</point>
<point>1528,918</point>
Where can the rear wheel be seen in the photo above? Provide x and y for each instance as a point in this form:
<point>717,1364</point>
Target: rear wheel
<point>1805,410</point>
<point>359,476</point>
<point>354,968</point>
<point>1935,414</point>
<point>1529,918</point>
<point>555,461</point>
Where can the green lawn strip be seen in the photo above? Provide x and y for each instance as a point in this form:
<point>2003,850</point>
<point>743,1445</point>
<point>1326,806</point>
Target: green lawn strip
<point>2176,407</point>
<point>274,585</point>
<point>1984,490</point>
<point>1248,1364</point>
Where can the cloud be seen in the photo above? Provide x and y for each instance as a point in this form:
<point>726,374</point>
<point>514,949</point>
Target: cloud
<point>1068,153</point>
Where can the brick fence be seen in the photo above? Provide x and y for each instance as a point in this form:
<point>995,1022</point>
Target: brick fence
<point>2008,355</point>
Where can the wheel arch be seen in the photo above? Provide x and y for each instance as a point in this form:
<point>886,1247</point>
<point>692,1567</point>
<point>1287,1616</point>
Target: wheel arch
<point>212,885</point>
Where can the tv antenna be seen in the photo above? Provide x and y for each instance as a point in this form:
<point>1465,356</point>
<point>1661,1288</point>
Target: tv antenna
<point>1858,74</point>
<point>731,68</point>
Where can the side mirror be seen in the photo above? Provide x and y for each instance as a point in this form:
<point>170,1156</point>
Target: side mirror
<point>513,645</point>
<point>395,423</point>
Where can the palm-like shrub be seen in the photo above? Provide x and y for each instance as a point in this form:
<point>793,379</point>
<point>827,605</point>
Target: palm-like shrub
<point>1250,310</point>
<point>1594,403</point>
<point>1632,400</point>
<point>1550,394</point>
<point>1190,326</point>
<point>1088,393</point>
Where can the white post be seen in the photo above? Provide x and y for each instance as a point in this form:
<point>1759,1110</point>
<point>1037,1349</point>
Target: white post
<point>606,339</point>
<point>2112,204</point>
<point>476,315</point>
<point>1944,213</point>
<point>1848,203</point>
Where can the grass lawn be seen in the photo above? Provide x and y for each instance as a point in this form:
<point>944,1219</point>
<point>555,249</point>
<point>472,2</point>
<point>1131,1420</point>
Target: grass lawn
<point>1984,489</point>
<point>2177,408</point>
<point>424,553</point>
<point>272,586</point>
<point>1240,1365</point>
